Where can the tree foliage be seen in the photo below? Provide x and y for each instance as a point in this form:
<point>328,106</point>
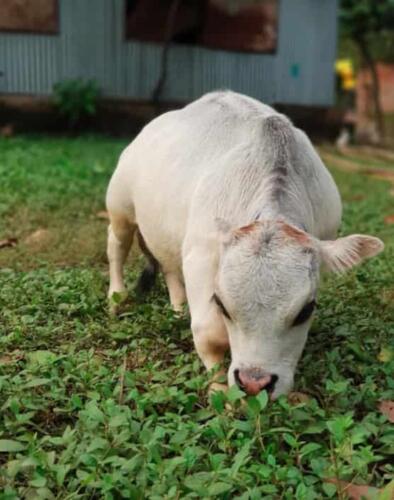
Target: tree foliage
<point>363,21</point>
<point>361,18</point>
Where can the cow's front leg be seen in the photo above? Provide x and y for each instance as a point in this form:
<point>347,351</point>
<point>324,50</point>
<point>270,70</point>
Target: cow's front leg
<point>176,290</point>
<point>211,341</point>
<point>209,331</point>
<point>120,238</point>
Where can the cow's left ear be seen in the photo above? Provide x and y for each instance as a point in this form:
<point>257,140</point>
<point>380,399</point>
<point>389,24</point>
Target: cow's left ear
<point>344,253</point>
<point>230,236</point>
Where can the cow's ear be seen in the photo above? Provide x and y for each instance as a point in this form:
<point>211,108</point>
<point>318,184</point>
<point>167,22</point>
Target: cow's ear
<point>344,253</point>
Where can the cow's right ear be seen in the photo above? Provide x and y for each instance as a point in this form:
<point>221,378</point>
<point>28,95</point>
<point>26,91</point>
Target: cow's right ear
<point>343,253</point>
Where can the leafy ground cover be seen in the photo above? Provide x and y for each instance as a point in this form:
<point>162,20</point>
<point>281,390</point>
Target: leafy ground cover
<point>97,407</point>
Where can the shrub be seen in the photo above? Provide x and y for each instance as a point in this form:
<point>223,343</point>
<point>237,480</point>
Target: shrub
<point>76,99</point>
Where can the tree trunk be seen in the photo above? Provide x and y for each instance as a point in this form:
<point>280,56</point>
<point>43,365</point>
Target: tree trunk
<point>170,24</point>
<point>371,65</point>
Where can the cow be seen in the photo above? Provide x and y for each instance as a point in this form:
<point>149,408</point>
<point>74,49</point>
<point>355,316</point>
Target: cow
<point>233,204</point>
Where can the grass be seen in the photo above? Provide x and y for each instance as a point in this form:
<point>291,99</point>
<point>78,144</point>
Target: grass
<point>389,126</point>
<point>96,407</point>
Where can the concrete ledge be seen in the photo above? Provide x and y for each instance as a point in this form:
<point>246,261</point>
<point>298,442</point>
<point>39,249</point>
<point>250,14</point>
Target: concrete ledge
<point>125,117</point>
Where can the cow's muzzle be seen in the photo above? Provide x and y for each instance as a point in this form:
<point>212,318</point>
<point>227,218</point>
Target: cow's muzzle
<point>253,380</point>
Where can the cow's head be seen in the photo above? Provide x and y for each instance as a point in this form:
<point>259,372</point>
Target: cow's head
<point>266,289</point>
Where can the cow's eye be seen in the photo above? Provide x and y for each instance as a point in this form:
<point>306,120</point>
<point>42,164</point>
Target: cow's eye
<point>305,313</point>
<point>219,303</point>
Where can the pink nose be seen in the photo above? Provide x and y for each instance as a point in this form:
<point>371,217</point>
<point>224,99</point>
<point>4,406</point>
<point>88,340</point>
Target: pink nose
<point>253,381</point>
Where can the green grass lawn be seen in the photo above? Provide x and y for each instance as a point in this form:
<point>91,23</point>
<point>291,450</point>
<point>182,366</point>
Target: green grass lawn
<point>97,407</point>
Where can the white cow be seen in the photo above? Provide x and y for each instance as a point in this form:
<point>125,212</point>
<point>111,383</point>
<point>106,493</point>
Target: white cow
<point>239,212</point>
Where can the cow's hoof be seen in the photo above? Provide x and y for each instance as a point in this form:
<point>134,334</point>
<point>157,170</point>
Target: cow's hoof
<point>115,301</point>
<point>180,313</point>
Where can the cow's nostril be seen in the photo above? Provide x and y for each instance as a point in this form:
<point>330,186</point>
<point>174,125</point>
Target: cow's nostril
<point>271,385</point>
<point>237,379</point>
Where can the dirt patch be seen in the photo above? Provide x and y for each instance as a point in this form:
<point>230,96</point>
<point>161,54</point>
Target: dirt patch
<point>39,238</point>
<point>372,153</point>
<point>338,162</point>
<point>349,165</point>
<point>11,358</point>
<point>354,491</point>
<point>7,130</point>
<point>385,175</point>
<point>389,219</point>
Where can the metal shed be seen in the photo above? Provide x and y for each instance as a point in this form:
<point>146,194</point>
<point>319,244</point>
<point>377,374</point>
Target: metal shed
<point>91,44</point>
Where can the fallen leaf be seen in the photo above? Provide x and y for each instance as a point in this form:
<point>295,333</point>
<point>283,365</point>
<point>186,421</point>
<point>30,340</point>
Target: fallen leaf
<point>8,242</point>
<point>389,219</point>
<point>387,408</point>
<point>38,237</point>
<point>296,398</point>
<point>385,355</point>
<point>354,491</point>
<point>102,214</point>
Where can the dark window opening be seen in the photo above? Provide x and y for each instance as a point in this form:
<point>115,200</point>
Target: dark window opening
<point>146,20</point>
<point>237,25</point>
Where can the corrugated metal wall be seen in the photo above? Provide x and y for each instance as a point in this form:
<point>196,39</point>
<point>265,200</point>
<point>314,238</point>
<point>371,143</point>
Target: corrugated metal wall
<point>91,45</point>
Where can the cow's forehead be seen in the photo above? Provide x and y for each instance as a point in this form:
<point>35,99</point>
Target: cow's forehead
<point>275,239</point>
<point>284,233</point>
<point>279,269</point>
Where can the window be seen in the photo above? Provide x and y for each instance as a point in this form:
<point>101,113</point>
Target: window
<point>32,16</point>
<point>250,27</point>
<point>236,25</point>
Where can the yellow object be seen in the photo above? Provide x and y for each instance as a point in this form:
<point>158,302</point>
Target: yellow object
<point>345,70</point>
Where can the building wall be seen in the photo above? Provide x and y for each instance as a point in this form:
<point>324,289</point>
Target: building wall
<point>91,44</point>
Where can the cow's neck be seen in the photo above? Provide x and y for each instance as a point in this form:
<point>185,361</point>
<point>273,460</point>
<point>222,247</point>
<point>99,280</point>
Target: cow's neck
<point>281,206</point>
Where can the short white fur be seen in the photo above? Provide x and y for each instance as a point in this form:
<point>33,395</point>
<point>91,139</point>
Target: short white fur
<point>232,199</point>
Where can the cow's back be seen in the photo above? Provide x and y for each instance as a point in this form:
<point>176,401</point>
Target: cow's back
<point>179,146</point>
<point>170,163</point>
<point>161,169</point>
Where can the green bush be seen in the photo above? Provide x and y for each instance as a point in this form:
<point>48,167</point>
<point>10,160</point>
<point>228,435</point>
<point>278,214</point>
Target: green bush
<point>76,99</point>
